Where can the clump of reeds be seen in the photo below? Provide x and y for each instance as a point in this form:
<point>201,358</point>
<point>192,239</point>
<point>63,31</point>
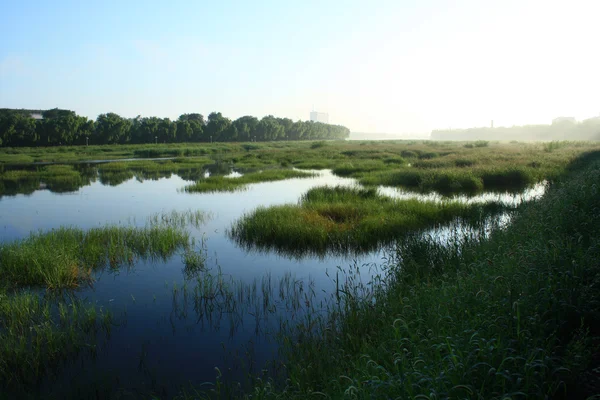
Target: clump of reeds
<point>348,219</point>
<point>221,183</point>
<point>66,257</point>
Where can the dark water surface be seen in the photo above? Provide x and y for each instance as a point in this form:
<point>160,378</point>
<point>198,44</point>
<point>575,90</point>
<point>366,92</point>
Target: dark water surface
<point>164,339</point>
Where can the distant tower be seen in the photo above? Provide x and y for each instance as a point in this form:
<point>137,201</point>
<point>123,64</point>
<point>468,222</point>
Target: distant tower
<point>316,116</point>
<point>492,123</point>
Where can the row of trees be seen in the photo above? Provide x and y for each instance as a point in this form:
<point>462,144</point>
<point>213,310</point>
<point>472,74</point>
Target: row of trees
<point>64,127</point>
<point>588,129</point>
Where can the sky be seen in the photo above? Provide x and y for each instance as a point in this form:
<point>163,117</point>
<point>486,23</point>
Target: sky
<point>375,66</point>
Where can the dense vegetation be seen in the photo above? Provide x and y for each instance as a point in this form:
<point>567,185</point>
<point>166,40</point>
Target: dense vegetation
<point>63,127</point>
<point>513,315</point>
<point>66,257</point>
<point>347,220</point>
<point>230,184</point>
<point>444,167</point>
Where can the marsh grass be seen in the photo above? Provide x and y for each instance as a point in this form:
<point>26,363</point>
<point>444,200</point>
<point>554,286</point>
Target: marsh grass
<point>57,178</point>
<point>360,166</point>
<point>221,301</point>
<point>450,181</point>
<point>375,163</point>
<point>226,184</point>
<point>346,219</point>
<point>158,165</point>
<point>506,315</point>
<point>66,257</point>
<point>179,219</point>
<point>38,332</point>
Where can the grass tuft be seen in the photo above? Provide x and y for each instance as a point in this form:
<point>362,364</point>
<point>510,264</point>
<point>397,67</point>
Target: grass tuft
<point>345,219</point>
<point>225,184</point>
<point>66,257</point>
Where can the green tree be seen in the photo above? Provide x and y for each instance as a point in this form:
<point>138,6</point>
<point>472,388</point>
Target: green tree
<point>167,131</point>
<point>192,127</point>
<point>216,126</point>
<point>246,127</point>
<point>112,128</point>
<point>269,129</point>
<point>59,127</point>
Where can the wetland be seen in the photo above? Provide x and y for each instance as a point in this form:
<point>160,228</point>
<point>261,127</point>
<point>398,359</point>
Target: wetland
<point>223,270</point>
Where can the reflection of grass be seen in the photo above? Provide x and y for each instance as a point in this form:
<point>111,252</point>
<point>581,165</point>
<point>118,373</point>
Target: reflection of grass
<point>65,257</point>
<point>445,166</point>
<point>223,184</point>
<point>36,333</point>
<point>145,165</point>
<point>179,218</point>
<point>344,218</point>
<point>511,314</point>
<point>459,179</point>
<point>58,178</point>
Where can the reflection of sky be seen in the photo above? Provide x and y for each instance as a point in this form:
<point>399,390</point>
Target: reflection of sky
<point>179,350</point>
<point>507,198</point>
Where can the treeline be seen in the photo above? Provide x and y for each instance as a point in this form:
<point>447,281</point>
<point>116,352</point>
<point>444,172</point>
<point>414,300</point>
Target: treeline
<point>65,127</point>
<point>588,129</point>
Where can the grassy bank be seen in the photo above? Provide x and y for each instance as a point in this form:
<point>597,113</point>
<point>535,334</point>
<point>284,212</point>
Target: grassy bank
<point>515,315</point>
<point>346,220</point>
<point>66,257</point>
<point>227,184</point>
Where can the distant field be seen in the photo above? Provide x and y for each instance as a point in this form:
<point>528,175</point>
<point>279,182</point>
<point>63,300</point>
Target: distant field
<point>445,167</point>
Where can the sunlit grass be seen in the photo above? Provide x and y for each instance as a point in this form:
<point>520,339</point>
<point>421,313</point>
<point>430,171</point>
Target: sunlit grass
<point>66,257</point>
<point>226,184</point>
<point>450,167</point>
<point>514,314</point>
<point>345,219</point>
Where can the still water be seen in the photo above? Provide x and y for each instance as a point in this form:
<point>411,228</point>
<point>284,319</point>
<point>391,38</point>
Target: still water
<point>162,341</point>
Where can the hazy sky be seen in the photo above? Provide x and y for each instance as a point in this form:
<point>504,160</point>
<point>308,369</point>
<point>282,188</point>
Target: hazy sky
<point>374,66</point>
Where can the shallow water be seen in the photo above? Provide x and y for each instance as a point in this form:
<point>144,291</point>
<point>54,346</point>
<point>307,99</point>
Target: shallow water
<point>164,341</point>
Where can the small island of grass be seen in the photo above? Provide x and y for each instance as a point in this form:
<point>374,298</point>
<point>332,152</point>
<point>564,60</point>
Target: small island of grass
<point>226,184</point>
<point>341,218</point>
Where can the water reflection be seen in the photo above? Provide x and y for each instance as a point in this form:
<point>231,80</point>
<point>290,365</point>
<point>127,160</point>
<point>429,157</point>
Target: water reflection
<point>217,305</point>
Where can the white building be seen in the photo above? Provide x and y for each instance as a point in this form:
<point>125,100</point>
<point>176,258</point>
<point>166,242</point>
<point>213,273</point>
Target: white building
<point>316,116</point>
<point>560,120</point>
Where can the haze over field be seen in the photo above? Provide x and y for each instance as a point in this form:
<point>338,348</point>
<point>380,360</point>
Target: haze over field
<point>394,66</point>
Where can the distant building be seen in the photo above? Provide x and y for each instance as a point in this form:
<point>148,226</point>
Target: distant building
<point>316,116</point>
<point>561,120</point>
<point>593,119</point>
<point>36,115</point>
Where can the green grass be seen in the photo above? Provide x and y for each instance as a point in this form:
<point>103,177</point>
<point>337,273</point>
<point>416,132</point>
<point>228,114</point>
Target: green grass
<point>511,315</point>
<point>360,166</point>
<point>161,165</point>
<point>346,220</point>
<point>461,179</point>
<point>40,329</point>
<point>225,184</point>
<point>450,167</point>
<point>66,257</point>
<point>38,332</point>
